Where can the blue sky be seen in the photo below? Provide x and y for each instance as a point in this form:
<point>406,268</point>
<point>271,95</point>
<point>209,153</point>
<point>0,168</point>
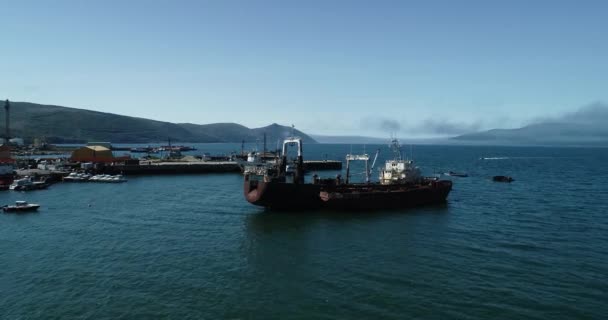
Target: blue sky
<point>416,68</point>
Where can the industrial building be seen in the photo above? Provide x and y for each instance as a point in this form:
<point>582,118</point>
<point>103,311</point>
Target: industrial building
<point>92,154</point>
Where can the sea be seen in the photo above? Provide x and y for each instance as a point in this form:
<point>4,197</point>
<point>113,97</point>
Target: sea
<point>191,247</point>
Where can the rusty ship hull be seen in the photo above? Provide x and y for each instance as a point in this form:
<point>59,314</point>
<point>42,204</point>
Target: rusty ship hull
<point>371,197</point>
<point>278,195</point>
<point>282,196</point>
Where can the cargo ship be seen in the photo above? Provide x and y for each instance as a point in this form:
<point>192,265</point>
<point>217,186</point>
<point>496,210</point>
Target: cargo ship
<point>400,185</point>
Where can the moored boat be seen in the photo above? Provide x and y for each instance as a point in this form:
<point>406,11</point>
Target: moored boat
<point>108,178</point>
<point>400,185</point>
<point>77,177</point>
<point>27,184</point>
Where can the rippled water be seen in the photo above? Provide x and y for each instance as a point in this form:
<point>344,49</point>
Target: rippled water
<point>190,247</point>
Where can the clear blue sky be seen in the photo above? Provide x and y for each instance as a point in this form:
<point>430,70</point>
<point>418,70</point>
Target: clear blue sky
<point>329,67</point>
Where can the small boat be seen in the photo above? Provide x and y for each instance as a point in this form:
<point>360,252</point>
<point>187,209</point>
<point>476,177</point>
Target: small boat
<point>77,177</point>
<point>117,179</point>
<point>456,174</point>
<point>502,179</point>
<point>27,184</point>
<point>21,206</point>
<point>108,178</point>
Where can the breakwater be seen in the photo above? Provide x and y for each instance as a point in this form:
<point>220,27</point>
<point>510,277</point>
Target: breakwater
<point>173,168</point>
<point>145,168</point>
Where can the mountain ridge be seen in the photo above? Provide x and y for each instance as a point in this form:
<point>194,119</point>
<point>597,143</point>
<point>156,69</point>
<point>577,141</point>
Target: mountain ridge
<point>58,124</point>
<point>587,126</point>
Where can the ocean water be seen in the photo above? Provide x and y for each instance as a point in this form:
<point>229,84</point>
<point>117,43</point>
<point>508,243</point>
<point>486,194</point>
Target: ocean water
<point>191,247</point>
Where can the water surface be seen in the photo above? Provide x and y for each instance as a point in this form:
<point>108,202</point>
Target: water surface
<point>190,246</point>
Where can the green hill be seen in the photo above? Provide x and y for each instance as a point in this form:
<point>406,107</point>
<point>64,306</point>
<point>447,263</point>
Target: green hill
<point>62,124</point>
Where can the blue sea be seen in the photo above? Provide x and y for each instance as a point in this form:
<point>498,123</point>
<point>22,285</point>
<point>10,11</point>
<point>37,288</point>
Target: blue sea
<point>191,247</point>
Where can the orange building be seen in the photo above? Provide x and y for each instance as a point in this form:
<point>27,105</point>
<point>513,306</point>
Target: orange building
<point>92,154</point>
<point>5,154</point>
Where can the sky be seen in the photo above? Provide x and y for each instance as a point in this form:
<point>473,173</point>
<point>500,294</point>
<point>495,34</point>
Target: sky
<point>332,67</point>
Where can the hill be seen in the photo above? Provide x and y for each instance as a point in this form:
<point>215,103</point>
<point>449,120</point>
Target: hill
<point>59,124</point>
<point>586,127</point>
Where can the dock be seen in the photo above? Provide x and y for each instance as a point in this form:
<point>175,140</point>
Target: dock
<point>173,168</point>
<point>192,167</point>
<point>137,168</point>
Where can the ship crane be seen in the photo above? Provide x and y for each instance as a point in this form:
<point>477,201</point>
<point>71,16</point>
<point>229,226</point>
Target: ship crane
<point>373,164</point>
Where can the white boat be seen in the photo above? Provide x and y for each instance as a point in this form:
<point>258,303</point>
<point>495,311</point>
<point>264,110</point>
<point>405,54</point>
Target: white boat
<point>108,178</point>
<point>77,177</point>
<point>21,206</point>
<point>21,183</point>
<point>28,183</point>
<point>117,179</point>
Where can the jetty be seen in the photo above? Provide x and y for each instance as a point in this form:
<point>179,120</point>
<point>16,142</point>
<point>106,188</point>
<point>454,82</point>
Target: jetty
<point>192,167</point>
<point>154,168</point>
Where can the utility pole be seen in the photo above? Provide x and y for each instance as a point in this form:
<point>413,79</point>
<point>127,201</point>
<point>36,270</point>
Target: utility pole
<point>7,108</point>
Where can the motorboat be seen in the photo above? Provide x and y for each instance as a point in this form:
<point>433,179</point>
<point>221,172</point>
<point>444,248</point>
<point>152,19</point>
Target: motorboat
<point>456,174</point>
<point>27,184</point>
<point>502,179</point>
<point>21,206</point>
<point>117,179</point>
<point>77,177</point>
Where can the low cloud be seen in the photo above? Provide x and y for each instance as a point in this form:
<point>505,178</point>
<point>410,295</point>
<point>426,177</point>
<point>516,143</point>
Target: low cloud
<point>383,125</point>
<point>592,114</point>
<point>595,113</point>
<point>428,127</point>
<point>446,127</point>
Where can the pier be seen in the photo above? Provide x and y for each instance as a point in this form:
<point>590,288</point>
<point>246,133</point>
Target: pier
<point>51,173</point>
<point>173,168</point>
<point>191,167</point>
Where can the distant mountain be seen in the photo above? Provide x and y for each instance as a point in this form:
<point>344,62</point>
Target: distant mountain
<point>220,132</point>
<point>59,124</point>
<point>375,140</point>
<point>349,139</point>
<point>585,127</point>
<point>275,132</point>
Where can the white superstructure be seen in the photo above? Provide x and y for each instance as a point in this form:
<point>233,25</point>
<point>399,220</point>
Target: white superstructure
<point>399,170</point>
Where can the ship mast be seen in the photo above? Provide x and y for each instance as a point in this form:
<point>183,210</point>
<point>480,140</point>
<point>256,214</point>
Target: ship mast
<point>7,135</point>
<point>264,154</point>
<point>396,148</point>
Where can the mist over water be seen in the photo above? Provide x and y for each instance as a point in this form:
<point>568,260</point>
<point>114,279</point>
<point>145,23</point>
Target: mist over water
<point>191,247</point>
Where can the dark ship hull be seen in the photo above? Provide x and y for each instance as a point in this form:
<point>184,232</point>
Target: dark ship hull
<point>370,197</point>
<point>305,196</point>
<point>282,187</point>
<point>283,196</point>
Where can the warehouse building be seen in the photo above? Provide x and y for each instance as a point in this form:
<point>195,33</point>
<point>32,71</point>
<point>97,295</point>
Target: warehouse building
<point>92,154</point>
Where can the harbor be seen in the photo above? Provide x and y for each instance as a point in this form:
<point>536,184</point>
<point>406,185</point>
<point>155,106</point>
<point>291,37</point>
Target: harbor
<point>89,237</point>
<point>106,159</point>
